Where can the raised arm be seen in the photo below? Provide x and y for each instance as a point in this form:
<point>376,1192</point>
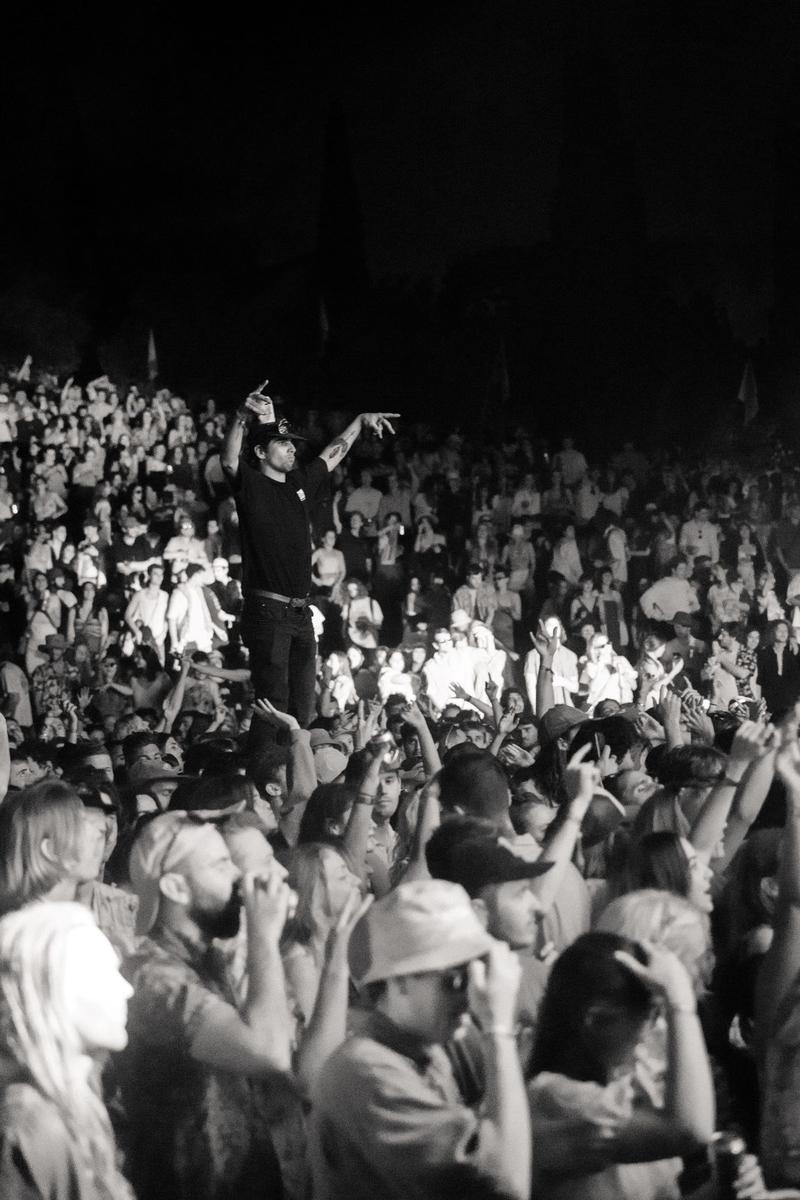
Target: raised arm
<point>254,1040</point>
<point>256,403</point>
<point>327,1028</point>
<point>782,963</point>
<point>333,454</point>
<point>430,755</point>
<point>5,759</point>
<point>582,782</point>
<point>749,744</point>
<point>546,644</point>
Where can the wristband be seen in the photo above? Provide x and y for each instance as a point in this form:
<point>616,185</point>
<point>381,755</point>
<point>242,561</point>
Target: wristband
<point>366,798</point>
<point>499,1031</point>
<point>731,782</point>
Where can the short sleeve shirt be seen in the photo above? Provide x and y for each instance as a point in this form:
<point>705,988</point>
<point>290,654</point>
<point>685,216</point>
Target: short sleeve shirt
<point>387,1121</point>
<point>191,1132</point>
<point>574,1126</point>
<point>274,525</point>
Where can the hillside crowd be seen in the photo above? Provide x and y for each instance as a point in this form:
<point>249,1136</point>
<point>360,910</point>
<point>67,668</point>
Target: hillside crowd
<point>515,913</point>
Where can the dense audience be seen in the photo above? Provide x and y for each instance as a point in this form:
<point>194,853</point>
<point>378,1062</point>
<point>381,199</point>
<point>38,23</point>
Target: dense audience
<point>516,913</point>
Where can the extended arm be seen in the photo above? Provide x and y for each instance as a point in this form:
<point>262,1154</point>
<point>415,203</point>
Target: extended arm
<point>582,781</point>
<point>782,963</point>
<point>333,454</point>
<point>709,826</point>
<point>5,759</point>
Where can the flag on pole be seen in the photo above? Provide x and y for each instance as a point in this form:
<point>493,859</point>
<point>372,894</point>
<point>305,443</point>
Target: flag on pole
<point>748,393</point>
<point>324,326</point>
<point>152,358</point>
<point>505,385</point>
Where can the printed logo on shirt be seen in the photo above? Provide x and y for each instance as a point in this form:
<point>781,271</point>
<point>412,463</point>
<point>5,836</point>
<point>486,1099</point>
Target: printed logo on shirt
<point>301,494</point>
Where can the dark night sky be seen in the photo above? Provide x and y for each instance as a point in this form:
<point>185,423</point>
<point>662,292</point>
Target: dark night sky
<point>159,142</point>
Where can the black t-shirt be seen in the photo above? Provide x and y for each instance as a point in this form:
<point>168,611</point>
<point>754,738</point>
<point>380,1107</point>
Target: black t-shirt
<point>274,526</point>
<point>141,551</point>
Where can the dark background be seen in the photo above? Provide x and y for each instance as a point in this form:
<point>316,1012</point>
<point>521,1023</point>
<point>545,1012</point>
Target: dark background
<point>576,214</point>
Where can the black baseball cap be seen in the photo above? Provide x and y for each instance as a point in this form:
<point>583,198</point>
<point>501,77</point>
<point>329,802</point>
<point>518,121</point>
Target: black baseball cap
<point>481,861</point>
<point>267,431</point>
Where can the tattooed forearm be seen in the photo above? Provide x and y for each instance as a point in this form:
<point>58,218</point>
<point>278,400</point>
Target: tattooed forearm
<point>333,454</point>
<point>337,449</point>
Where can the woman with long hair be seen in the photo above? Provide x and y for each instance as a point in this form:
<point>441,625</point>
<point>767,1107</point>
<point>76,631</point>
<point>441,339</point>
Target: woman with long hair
<point>583,609</point>
<point>362,616</point>
<point>88,620</point>
<point>62,1002</point>
<point>324,885</point>
<point>40,625</point>
<point>596,1129</point>
<point>146,677</point>
<point>669,863</point>
<point>338,693</point>
<point>605,675</point>
<point>41,834</point>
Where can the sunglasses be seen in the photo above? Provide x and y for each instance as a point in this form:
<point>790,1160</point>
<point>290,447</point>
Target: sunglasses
<point>456,980</point>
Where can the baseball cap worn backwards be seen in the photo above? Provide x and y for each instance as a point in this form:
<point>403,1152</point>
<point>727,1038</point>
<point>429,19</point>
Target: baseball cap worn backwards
<point>559,720</point>
<point>427,925</point>
<point>482,861</point>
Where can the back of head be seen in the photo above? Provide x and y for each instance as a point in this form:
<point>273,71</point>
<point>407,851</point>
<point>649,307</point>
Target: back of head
<point>213,793</point>
<point>616,732</point>
<point>453,832</point>
<point>308,875</point>
<point>651,915</point>
<point>41,828</point>
<point>690,766</point>
<point>660,811</point>
<point>586,978</point>
<point>326,813</point>
<point>475,782</point>
<point>658,860</point>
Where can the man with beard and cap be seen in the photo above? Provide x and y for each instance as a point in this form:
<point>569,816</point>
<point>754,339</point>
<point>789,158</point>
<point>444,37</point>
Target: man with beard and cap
<point>193,1079</point>
<point>274,502</point>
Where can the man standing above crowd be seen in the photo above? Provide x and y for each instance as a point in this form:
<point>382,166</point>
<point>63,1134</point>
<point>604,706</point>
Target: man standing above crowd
<point>273,500</point>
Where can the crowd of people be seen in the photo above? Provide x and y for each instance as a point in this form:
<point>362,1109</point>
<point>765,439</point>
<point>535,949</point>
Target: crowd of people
<point>470,867</point>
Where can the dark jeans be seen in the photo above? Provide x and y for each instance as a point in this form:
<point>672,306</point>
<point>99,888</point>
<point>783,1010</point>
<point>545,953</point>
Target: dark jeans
<point>283,653</point>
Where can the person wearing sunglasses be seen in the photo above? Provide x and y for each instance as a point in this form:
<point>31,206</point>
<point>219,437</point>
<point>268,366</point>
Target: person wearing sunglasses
<point>387,1117</point>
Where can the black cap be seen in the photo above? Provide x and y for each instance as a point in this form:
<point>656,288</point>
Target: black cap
<point>265,431</point>
<point>482,861</point>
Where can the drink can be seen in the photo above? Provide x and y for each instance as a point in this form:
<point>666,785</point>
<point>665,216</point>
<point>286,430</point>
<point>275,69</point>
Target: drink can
<point>729,1150</point>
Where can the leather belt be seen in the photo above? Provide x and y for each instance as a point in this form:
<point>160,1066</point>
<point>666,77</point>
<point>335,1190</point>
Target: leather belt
<point>292,601</point>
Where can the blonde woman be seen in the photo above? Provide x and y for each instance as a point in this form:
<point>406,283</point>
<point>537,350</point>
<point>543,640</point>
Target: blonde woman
<point>325,887</point>
<point>62,1002</point>
<point>42,832</point>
